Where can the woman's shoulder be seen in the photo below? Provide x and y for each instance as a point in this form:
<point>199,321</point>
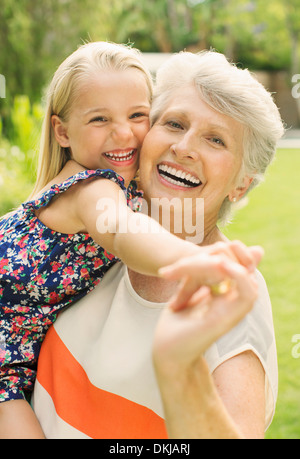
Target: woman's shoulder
<point>263,292</point>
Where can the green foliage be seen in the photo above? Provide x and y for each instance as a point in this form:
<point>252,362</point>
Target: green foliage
<point>36,36</point>
<point>18,156</point>
<point>26,121</point>
<point>14,184</point>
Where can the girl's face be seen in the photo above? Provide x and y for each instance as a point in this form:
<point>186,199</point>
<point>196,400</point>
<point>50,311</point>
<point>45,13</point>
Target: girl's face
<point>108,122</point>
<point>193,151</point>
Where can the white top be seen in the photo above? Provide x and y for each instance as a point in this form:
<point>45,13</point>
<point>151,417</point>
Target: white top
<point>95,377</point>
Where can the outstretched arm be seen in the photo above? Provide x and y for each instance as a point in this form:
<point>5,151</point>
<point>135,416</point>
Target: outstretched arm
<point>139,241</point>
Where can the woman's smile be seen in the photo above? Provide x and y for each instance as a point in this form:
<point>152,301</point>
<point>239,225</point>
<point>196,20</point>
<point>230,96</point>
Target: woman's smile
<point>175,176</point>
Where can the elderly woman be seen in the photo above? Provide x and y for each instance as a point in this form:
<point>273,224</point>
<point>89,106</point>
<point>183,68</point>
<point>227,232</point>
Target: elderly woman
<point>122,363</point>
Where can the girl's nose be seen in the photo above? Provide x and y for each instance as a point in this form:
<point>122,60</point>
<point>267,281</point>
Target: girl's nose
<point>122,132</point>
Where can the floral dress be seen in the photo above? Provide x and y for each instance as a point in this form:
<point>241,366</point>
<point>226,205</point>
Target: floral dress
<point>41,272</point>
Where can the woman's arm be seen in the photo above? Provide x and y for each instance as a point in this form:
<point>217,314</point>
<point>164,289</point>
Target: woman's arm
<point>197,404</point>
<point>226,405</point>
<point>240,382</point>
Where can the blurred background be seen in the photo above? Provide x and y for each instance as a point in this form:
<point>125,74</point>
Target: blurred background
<point>262,35</point>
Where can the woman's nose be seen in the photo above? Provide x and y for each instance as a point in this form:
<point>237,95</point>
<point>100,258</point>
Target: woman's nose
<point>186,148</point>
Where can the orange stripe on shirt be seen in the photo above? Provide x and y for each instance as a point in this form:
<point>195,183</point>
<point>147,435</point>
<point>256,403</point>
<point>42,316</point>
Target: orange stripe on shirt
<point>93,411</point>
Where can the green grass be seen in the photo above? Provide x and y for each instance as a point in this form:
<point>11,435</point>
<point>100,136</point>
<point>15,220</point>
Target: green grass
<point>272,219</point>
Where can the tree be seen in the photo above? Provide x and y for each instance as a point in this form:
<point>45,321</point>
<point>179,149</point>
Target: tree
<point>36,36</point>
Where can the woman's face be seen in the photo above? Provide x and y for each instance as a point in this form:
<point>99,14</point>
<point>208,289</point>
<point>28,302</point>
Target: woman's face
<point>193,151</point>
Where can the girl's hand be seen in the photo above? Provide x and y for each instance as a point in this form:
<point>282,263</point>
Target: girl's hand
<point>237,251</point>
<point>182,336</point>
<point>209,268</point>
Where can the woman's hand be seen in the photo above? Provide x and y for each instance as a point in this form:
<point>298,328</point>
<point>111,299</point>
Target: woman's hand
<point>208,268</point>
<point>182,336</point>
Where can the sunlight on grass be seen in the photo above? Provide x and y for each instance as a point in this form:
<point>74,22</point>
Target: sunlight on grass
<point>272,219</point>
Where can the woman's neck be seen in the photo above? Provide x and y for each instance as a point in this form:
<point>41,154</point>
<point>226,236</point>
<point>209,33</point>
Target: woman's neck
<point>213,235</point>
<point>150,288</point>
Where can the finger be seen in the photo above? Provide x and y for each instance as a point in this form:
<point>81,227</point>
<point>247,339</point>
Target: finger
<point>244,283</point>
<point>203,294</point>
<point>243,254</point>
<point>221,248</point>
<point>257,253</point>
<point>204,268</point>
<point>184,292</point>
<point>239,252</point>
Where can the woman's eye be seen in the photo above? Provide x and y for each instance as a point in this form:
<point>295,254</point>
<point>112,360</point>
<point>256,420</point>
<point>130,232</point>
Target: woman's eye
<point>174,124</point>
<point>217,141</point>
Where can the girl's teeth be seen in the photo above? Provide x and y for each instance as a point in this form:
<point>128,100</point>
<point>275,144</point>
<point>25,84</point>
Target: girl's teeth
<point>121,156</point>
<point>178,177</point>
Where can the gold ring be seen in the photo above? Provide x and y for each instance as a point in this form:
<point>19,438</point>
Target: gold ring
<point>221,288</point>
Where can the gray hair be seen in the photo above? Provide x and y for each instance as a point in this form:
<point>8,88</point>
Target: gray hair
<point>233,92</point>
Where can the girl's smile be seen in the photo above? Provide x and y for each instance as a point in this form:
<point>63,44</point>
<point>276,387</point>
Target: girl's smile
<point>125,157</point>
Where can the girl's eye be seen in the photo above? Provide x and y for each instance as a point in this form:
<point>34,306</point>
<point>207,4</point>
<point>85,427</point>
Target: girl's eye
<point>138,115</point>
<point>100,119</point>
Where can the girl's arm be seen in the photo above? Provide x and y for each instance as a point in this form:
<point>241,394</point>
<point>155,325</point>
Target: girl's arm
<point>139,241</point>
<point>18,421</point>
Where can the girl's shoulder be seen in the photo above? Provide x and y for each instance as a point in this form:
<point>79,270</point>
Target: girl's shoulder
<point>72,174</point>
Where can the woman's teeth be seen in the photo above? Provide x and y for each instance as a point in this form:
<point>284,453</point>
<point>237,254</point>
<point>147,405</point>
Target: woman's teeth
<point>120,156</point>
<point>178,176</point>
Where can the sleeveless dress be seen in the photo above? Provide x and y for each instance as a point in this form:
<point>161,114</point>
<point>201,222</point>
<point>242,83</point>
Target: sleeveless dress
<point>42,271</point>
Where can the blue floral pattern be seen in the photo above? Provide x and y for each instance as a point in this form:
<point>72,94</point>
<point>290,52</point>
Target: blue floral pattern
<point>42,272</point>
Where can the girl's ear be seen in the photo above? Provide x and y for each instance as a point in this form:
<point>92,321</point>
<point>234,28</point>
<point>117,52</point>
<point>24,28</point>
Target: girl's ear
<point>60,131</point>
<point>241,190</point>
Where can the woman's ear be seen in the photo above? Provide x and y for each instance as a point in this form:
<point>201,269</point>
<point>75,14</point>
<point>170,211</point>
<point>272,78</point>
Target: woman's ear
<point>240,190</point>
<point>60,131</point>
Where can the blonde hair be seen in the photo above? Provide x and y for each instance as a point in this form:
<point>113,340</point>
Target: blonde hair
<point>233,92</point>
<point>87,59</point>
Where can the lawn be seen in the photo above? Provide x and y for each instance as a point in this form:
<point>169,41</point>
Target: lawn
<point>272,219</point>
